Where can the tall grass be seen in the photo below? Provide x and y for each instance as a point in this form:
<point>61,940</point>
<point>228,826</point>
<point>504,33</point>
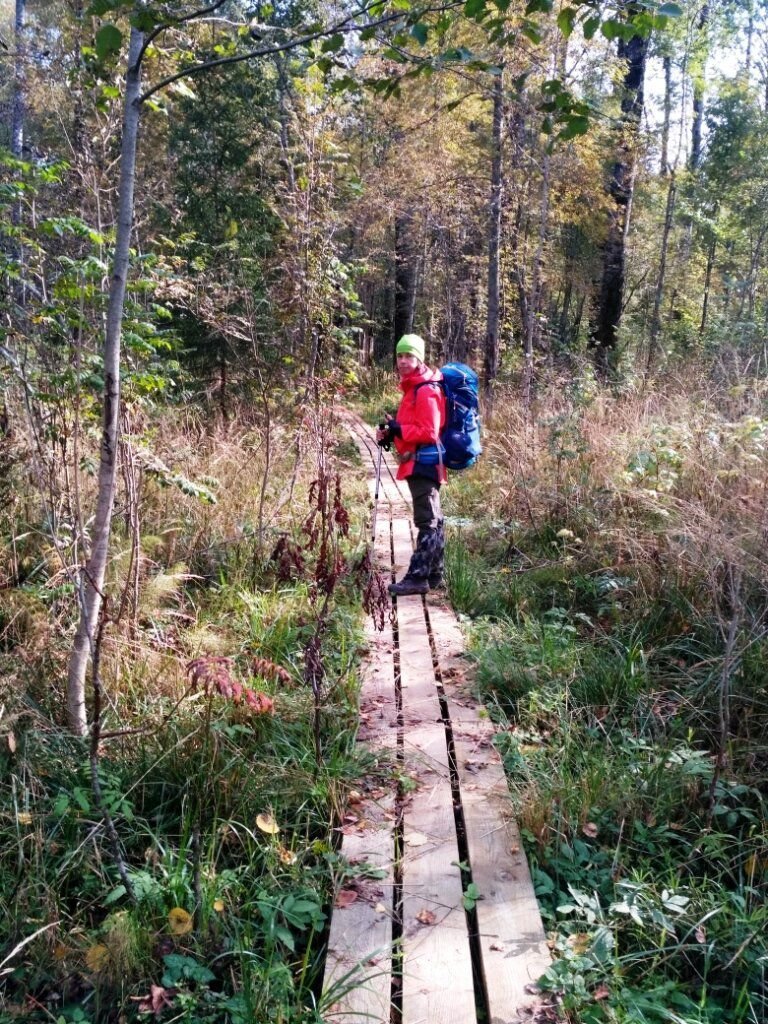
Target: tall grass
<point>611,557</point>
<point>224,813</point>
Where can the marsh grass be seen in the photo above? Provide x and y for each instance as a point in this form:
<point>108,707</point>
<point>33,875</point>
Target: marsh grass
<point>611,560</point>
<point>227,914</point>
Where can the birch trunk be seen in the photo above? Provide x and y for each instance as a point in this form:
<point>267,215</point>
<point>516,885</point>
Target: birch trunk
<point>19,82</point>
<point>661,279</point>
<point>91,585</point>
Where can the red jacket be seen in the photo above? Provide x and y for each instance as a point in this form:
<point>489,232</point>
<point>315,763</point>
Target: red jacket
<point>421,417</point>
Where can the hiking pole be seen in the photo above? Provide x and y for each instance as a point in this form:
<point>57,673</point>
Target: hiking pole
<point>381,444</point>
<point>376,496</point>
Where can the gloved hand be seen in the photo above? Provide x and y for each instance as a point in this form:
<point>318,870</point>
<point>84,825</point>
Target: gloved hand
<point>384,437</point>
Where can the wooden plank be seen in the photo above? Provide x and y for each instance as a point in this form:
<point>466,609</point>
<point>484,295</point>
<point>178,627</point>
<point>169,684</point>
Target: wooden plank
<point>437,966</point>
<point>511,932</point>
<point>359,957</point>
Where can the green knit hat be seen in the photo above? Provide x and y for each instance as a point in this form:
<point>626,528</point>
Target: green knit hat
<point>411,345</point>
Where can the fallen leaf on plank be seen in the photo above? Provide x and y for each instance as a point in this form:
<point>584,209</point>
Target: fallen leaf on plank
<point>345,898</point>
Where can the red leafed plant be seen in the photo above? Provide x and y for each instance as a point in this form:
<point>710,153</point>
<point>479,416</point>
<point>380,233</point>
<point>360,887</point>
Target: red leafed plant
<point>213,674</point>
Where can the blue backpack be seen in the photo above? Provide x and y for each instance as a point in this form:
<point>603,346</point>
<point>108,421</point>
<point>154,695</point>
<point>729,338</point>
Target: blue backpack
<point>460,438</point>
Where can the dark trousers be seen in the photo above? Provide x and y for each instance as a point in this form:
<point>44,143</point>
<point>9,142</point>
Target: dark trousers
<point>428,558</point>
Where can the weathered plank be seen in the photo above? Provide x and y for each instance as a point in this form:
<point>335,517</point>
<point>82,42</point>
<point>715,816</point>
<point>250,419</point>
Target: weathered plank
<point>358,974</point>
<point>512,940</point>
<point>437,965</point>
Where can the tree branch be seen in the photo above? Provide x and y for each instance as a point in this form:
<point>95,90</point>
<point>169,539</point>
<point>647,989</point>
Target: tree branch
<point>151,36</point>
<point>347,24</point>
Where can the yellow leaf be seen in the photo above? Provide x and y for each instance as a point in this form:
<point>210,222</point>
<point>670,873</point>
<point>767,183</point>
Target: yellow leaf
<point>96,957</point>
<point>218,906</point>
<point>179,921</point>
<point>24,818</point>
<point>268,824</point>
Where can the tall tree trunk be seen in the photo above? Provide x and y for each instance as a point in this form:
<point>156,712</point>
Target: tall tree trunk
<point>665,168</point>
<point>534,300</point>
<point>491,352</point>
<point>702,27</point>
<point>708,283</point>
<point>19,82</point>
<point>91,589</point>
<point>405,276</point>
<point>611,295</point>
<point>660,280</point>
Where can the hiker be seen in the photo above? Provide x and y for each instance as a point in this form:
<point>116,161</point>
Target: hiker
<point>417,424</point>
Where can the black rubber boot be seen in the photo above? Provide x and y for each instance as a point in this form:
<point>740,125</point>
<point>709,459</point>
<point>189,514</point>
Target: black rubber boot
<point>408,585</point>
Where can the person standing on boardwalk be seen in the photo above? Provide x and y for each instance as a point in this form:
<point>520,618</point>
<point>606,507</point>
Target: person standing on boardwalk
<point>415,432</point>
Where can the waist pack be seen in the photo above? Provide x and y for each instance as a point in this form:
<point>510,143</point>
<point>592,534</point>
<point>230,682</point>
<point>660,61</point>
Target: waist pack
<point>460,444</point>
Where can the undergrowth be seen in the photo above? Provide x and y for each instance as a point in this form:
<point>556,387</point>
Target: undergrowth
<point>608,562</point>
<point>225,746</point>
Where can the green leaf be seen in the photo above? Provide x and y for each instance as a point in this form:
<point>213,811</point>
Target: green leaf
<point>420,33</point>
<point>611,29</point>
<point>333,43</point>
<point>474,8</point>
<point>575,125</point>
<point>101,7</point>
<point>591,25</point>
<point>670,10</point>
<point>530,31</point>
<point>566,19</point>
<point>144,21</point>
<point>115,895</point>
<point>534,6</point>
<point>109,39</point>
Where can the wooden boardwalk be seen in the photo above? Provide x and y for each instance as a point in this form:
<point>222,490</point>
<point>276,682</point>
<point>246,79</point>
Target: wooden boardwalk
<point>433,826</point>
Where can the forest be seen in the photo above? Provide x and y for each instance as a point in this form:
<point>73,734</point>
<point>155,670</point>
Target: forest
<point>216,219</point>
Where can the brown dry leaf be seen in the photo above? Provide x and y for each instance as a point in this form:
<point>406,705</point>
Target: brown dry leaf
<point>345,898</point>
<point>497,948</point>
<point>602,992</point>
<point>60,951</point>
<point>267,824</point>
<point>11,740</point>
<point>354,796</point>
<point>416,839</point>
<point>180,921</point>
<point>590,829</point>
<point>96,957</point>
<point>514,849</point>
<point>579,942</point>
<point>701,934</point>
<point>426,917</point>
<point>286,856</point>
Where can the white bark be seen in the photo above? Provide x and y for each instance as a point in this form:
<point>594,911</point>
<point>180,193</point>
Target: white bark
<point>92,579</point>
